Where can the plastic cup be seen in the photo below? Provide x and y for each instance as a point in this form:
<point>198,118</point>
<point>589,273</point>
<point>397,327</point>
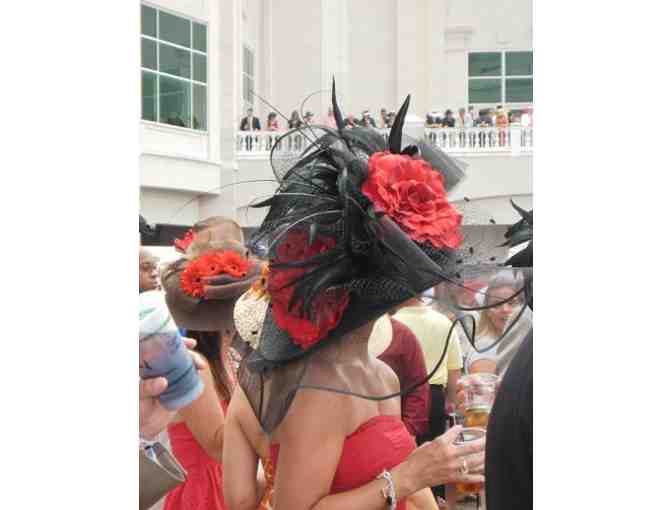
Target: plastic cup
<point>163,353</point>
<point>468,435</point>
<point>479,395</point>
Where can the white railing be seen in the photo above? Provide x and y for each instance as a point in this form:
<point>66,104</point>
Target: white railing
<point>509,140</point>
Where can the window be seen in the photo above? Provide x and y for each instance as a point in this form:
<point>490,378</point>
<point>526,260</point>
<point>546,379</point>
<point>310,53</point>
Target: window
<point>498,77</point>
<point>174,74</point>
<point>248,77</point>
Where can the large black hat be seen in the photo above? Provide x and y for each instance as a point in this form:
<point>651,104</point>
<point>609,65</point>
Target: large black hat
<point>359,224</point>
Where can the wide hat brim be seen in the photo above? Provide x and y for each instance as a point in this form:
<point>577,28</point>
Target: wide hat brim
<point>424,267</point>
<point>203,314</point>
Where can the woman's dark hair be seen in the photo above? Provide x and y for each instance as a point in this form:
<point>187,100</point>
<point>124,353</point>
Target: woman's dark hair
<point>272,115</point>
<point>208,344</point>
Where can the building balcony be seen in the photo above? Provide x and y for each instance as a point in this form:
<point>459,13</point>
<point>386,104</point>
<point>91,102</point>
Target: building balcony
<point>513,140</point>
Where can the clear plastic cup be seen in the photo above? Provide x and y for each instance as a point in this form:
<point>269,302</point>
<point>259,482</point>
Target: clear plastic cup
<point>163,353</point>
<point>479,395</point>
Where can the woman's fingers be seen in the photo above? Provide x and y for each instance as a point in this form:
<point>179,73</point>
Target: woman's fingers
<point>450,435</point>
<point>471,447</point>
<point>189,342</point>
<point>150,388</point>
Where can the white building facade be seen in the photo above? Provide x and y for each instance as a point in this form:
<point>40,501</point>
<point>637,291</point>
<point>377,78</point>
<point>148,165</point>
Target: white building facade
<point>204,62</point>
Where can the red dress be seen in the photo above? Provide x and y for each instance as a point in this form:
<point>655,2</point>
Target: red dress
<point>203,488</point>
<point>379,443</point>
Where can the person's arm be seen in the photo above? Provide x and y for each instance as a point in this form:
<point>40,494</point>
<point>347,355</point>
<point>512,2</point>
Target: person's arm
<point>242,125</point>
<point>240,460</point>
<point>422,500</point>
<point>415,405</point>
<point>205,418</point>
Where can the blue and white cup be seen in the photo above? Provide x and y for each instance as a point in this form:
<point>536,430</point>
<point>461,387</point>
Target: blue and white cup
<point>163,353</point>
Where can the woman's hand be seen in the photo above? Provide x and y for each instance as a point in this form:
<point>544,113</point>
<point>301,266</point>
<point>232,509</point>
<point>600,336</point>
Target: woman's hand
<point>153,416</point>
<point>439,462</point>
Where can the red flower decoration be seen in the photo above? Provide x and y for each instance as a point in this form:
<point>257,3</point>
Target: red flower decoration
<point>212,264</point>
<point>327,308</point>
<point>181,245</point>
<point>414,196</point>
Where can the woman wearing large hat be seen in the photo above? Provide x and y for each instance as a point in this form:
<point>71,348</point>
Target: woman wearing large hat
<point>357,226</point>
<point>201,290</point>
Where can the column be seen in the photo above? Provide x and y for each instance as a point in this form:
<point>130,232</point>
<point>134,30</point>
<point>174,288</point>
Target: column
<point>228,48</point>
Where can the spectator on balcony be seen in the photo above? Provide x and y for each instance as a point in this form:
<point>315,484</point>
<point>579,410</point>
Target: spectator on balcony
<point>272,122</point>
<point>484,118</point>
<point>448,119</point>
<point>501,118</point>
<point>350,121</point>
<point>250,123</point>
<point>367,120</point>
<point>294,120</point>
<point>465,119</point>
<point>385,119</point>
<point>502,122</point>
<point>330,120</point>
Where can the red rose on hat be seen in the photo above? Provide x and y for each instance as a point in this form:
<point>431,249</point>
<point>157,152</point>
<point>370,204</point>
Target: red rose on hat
<point>414,196</point>
<point>326,309</point>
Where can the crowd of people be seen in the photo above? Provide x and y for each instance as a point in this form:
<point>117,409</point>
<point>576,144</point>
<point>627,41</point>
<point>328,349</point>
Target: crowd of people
<point>464,118</point>
<point>332,344</point>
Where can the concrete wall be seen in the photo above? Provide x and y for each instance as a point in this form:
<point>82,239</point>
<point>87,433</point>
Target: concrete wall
<point>297,52</point>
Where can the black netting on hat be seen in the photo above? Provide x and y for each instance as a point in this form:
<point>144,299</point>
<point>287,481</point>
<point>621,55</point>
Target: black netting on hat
<point>319,198</point>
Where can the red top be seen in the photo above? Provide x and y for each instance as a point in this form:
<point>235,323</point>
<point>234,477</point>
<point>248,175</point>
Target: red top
<point>379,443</point>
<point>203,488</point>
<point>404,355</point>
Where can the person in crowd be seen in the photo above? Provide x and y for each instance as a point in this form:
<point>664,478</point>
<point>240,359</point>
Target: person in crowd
<point>272,122</point>
<point>250,122</point>
<point>502,122</point>
<point>294,120</point>
<point>367,120</point>
<point>431,328</point>
<point>159,470</point>
<point>201,289</point>
<point>509,445</point>
<point>330,120</point>
<point>308,117</point>
<point>149,274</point>
<point>330,278</point>
<point>491,325</point>
<point>351,121</point>
<point>384,119</point>
<point>448,119</point>
<point>395,344</point>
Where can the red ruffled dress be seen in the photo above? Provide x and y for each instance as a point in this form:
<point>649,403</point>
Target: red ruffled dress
<point>380,443</point>
<point>203,488</point>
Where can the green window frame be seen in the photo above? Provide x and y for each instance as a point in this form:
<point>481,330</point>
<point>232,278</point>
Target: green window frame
<point>173,68</point>
<point>500,77</point>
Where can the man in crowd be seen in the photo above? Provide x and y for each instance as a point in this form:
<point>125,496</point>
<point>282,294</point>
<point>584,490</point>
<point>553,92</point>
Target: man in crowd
<point>367,120</point>
<point>149,274</point>
<point>250,123</point>
<point>448,119</point>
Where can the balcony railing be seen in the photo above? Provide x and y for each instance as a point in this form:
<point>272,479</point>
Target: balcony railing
<point>509,140</point>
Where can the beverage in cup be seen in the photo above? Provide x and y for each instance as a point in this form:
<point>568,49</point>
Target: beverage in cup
<point>479,395</point>
<point>163,353</point>
<point>468,435</point>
